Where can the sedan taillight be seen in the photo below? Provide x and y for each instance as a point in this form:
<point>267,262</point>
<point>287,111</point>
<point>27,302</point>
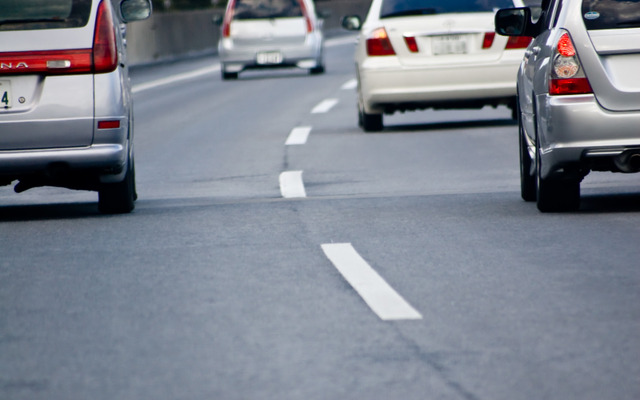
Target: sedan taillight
<point>378,44</point>
<point>567,76</point>
<point>518,42</point>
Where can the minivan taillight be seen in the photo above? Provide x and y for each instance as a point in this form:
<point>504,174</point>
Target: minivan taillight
<point>103,57</point>
<point>567,76</point>
<point>378,44</point>
<point>105,52</point>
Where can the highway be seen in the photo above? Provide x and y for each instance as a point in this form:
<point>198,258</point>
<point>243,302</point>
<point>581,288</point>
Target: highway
<point>279,252</point>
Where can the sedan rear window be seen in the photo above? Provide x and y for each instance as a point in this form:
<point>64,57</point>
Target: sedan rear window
<point>260,9</point>
<point>402,8</point>
<point>43,14</point>
<point>611,14</point>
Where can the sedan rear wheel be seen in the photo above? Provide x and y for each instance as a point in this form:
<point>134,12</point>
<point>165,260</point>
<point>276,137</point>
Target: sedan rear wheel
<point>370,122</point>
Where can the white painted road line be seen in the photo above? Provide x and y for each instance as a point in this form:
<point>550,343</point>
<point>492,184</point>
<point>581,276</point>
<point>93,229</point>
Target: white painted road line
<point>298,135</point>
<point>375,291</point>
<point>350,84</point>
<point>324,106</point>
<point>176,78</point>
<point>291,185</point>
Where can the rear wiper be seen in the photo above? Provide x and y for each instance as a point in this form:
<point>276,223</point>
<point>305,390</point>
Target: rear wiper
<point>27,21</point>
<point>419,11</point>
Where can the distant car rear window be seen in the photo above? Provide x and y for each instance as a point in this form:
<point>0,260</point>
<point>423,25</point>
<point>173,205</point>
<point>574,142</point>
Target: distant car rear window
<point>43,14</point>
<point>611,14</point>
<point>401,8</point>
<point>260,9</point>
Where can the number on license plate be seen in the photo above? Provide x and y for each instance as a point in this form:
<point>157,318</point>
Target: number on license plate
<point>448,44</point>
<point>270,57</point>
<point>5,94</point>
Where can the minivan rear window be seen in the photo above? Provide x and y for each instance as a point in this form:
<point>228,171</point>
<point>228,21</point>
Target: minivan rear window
<point>611,14</point>
<point>261,9</point>
<point>402,8</point>
<point>43,14</point>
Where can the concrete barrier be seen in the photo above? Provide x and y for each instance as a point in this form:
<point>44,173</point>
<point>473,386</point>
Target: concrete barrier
<point>172,35</point>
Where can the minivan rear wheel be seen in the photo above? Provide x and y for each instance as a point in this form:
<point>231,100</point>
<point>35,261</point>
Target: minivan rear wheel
<point>119,197</point>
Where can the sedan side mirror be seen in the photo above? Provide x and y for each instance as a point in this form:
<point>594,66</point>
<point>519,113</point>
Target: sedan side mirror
<point>352,23</point>
<point>514,22</point>
<point>135,10</point>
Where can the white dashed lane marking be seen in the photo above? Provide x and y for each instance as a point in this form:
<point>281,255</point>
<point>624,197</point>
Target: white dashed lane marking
<point>324,106</point>
<point>298,135</point>
<point>374,290</point>
<point>291,185</point>
<point>350,84</point>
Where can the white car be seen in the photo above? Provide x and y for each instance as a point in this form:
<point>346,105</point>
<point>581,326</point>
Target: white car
<point>268,34</point>
<point>419,54</point>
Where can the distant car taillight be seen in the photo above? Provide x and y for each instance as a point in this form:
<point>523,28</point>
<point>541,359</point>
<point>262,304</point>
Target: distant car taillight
<point>378,44</point>
<point>228,16</point>
<point>566,73</point>
<point>307,18</point>
<point>487,42</point>
<point>518,42</point>
<point>103,57</point>
<point>412,45</point>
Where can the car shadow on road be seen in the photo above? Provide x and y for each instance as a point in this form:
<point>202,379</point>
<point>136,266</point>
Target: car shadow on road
<point>43,212</point>
<point>440,126</point>
<point>610,203</point>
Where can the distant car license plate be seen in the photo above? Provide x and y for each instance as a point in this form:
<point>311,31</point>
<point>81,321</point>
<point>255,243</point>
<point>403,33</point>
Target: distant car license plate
<point>448,44</point>
<point>5,94</point>
<point>269,58</point>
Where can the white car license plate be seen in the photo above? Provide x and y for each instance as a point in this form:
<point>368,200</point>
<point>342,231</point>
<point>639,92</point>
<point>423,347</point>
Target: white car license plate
<point>269,58</point>
<point>5,94</point>
<point>448,44</point>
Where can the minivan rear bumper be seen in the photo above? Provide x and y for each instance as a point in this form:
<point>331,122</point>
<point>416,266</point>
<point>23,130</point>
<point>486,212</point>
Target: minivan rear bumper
<point>102,158</point>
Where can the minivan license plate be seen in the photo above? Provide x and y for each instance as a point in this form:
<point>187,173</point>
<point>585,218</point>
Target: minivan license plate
<point>5,94</point>
<point>448,44</point>
<point>269,58</point>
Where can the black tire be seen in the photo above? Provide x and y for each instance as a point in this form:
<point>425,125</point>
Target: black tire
<point>229,75</point>
<point>119,197</point>
<point>527,178</point>
<point>317,70</point>
<point>370,122</point>
<point>555,194</point>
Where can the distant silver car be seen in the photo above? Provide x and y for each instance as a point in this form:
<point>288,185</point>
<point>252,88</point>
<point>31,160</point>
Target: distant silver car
<point>578,95</point>
<point>270,33</point>
<point>66,117</point>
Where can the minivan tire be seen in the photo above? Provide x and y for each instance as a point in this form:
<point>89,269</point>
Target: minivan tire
<point>119,197</point>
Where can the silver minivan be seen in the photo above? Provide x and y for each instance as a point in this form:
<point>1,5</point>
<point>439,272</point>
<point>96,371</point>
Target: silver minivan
<point>66,115</point>
<point>270,33</point>
<point>578,95</point>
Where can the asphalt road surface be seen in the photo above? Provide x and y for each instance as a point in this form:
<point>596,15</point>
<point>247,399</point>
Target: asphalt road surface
<point>278,252</point>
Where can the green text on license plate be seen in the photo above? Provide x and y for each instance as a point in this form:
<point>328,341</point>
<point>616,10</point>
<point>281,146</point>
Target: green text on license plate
<point>5,94</point>
<point>269,57</point>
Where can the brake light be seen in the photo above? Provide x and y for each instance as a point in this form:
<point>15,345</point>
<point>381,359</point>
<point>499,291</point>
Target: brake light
<point>228,16</point>
<point>567,76</point>
<point>378,44</point>
<point>105,52</point>
<point>518,42</point>
<point>307,18</point>
<point>412,45</point>
<point>487,42</point>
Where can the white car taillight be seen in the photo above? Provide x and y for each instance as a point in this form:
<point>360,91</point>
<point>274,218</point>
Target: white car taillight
<point>228,16</point>
<point>378,44</point>
<point>487,41</point>
<point>307,18</point>
<point>567,76</point>
<point>103,57</point>
<point>412,45</point>
<point>518,42</point>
